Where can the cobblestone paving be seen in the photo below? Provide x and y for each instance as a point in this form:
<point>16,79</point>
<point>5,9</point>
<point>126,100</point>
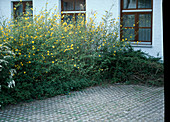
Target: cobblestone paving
<point>110,103</point>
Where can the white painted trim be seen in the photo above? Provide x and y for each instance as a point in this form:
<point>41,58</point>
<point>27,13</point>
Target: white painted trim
<point>141,44</point>
<point>142,10</point>
<point>19,0</point>
<point>67,12</point>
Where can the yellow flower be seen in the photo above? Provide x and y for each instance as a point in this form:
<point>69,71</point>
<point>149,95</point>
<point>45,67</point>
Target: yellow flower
<point>29,62</point>
<point>24,72</point>
<point>33,47</point>
<point>33,42</point>
<point>53,62</point>
<point>14,8</point>
<point>74,65</point>
<point>71,45</point>
<point>99,55</point>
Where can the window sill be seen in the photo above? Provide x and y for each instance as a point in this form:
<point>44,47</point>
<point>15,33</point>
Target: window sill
<point>141,44</point>
<point>138,10</point>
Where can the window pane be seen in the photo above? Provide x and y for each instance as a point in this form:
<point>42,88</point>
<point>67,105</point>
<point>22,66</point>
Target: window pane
<point>128,20</point>
<point>80,17</point>
<point>129,34</point>
<point>19,10</point>
<point>68,18</point>
<point>144,20</point>
<point>144,3</point>
<point>144,34</point>
<point>68,5</point>
<point>80,5</point>
<point>28,8</point>
<point>128,4</point>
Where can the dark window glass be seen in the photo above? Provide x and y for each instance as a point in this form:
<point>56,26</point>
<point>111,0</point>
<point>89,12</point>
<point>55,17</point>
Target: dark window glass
<point>80,5</point>
<point>68,5</point>
<point>144,20</point>
<point>144,34</point>
<point>144,3</point>
<point>128,4</point>
<point>128,20</point>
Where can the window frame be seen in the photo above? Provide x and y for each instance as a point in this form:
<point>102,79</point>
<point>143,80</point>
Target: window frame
<point>136,6</point>
<point>24,6</point>
<point>62,7</point>
<point>136,11</point>
<point>72,12</point>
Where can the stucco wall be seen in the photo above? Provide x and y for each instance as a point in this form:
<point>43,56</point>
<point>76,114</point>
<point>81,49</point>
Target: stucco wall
<point>157,32</point>
<point>38,4</point>
<point>5,9</point>
<point>156,49</point>
<point>100,6</point>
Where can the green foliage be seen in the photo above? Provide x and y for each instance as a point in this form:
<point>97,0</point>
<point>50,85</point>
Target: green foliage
<point>130,66</point>
<point>53,57</point>
<point>6,66</point>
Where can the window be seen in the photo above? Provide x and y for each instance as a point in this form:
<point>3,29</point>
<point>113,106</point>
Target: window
<point>21,8</point>
<point>136,21</point>
<point>71,8</point>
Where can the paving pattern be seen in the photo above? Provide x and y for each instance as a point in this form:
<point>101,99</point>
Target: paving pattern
<point>110,103</point>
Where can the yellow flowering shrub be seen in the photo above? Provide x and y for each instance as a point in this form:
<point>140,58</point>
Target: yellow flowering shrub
<point>52,53</point>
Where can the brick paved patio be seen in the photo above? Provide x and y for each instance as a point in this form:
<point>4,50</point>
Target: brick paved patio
<point>110,103</point>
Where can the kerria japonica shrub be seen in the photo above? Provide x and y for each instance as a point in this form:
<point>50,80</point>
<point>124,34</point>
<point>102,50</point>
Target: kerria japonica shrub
<point>50,47</point>
<point>54,54</point>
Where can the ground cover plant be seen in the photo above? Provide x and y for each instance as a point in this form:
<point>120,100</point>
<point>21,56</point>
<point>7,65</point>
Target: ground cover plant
<point>52,56</point>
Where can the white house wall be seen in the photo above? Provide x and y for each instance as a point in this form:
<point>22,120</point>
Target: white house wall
<point>5,9</point>
<point>100,6</point>
<point>39,4</point>
<point>156,49</point>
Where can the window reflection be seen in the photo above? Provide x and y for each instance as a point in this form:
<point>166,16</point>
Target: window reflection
<point>129,4</point>
<point>144,3</point>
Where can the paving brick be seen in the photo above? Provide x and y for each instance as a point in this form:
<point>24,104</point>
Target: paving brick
<point>97,104</point>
